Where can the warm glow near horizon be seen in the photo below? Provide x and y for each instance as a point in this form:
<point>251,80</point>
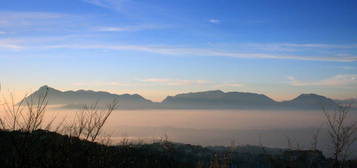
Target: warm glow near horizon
<point>156,95</point>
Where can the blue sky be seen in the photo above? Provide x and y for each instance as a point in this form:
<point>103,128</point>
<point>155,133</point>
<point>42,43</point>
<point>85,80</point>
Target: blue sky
<point>157,47</point>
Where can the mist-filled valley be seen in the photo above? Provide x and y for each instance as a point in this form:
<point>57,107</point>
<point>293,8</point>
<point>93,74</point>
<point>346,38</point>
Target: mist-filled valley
<point>278,128</point>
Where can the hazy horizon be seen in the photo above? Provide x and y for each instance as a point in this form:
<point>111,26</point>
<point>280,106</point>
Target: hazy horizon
<point>18,95</point>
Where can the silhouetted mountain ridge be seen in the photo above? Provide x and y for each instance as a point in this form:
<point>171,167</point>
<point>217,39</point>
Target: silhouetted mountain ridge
<point>76,99</point>
<point>218,99</point>
<point>213,99</point>
<point>309,101</point>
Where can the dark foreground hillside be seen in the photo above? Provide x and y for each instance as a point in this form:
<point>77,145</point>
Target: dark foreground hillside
<point>48,149</point>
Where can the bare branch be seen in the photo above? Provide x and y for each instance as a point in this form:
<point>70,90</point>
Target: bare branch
<point>342,134</point>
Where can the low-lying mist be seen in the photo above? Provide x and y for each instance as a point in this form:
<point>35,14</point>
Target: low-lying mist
<point>283,129</point>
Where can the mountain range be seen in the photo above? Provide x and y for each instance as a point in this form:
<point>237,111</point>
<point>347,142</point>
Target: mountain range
<point>215,99</point>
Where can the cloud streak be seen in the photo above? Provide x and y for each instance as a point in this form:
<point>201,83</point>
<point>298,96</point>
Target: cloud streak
<point>30,15</point>
<point>209,52</point>
<point>100,84</point>
<point>332,46</point>
<point>124,28</point>
<point>28,18</point>
<point>110,4</point>
<point>174,82</point>
<point>11,44</point>
<point>162,82</point>
<point>61,43</point>
<point>294,47</point>
<point>214,21</point>
<point>335,81</point>
<point>234,85</point>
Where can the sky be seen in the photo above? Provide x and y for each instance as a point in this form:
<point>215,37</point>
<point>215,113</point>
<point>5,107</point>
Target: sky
<point>155,48</point>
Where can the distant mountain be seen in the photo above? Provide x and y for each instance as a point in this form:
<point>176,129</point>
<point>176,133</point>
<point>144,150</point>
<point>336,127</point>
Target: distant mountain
<point>309,101</point>
<point>232,100</point>
<point>217,99</point>
<point>76,99</point>
<point>214,99</point>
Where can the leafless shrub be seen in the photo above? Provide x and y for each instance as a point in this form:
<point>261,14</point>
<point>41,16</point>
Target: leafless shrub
<point>60,126</point>
<point>12,112</point>
<point>261,144</point>
<point>221,161</point>
<point>124,141</point>
<point>140,141</point>
<point>164,139</point>
<point>215,162</point>
<point>2,124</point>
<point>27,115</point>
<point>315,139</point>
<point>106,140</point>
<point>342,133</point>
<point>89,121</point>
<point>36,106</point>
<point>289,142</point>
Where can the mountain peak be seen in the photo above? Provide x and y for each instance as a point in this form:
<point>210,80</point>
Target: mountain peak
<point>209,92</point>
<point>214,91</point>
<point>76,99</point>
<point>311,100</point>
<point>310,96</point>
<point>46,88</point>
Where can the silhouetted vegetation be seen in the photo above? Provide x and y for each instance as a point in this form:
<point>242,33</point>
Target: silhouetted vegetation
<point>41,148</point>
<point>342,133</point>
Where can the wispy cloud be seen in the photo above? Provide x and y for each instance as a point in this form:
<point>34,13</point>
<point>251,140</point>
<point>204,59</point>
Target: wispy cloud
<point>209,52</point>
<point>174,82</point>
<point>214,21</point>
<point>167,82</point>
<point>230,85</point>
<point>100,84</point>
<point>171,50</point>
<point>30,15</point>
<point>335,81</point>
<point>110,4</point>
<point>294,47</point>
<point>2,32</point>
<point>318,45</point>
<point>11,44</point>
<point>185,82</point>
<point>27,18</point>
<point>125,28</point>
<point>39,22</point>
<point>113,29</point>
<point>347,67</point>
<point>99,3</point>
